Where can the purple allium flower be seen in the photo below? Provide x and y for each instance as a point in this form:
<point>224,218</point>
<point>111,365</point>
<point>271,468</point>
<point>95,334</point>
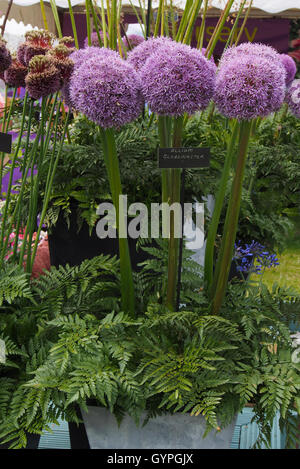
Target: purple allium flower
<point>290,68</point>
<point>5,57</point>
<point>293,97</point>
<point>249,48</point>
<point>95,39</point>
<point>138,56</point>
<point>249,86</point>
<point>81,56</point>
<point>15,75</point>
<point>106,89</point>
<point>177,79</point>
<point>43,77</point>
<point>134,41</point>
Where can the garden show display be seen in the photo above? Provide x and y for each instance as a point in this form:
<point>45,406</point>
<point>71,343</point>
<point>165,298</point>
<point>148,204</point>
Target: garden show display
<point>131,327</point>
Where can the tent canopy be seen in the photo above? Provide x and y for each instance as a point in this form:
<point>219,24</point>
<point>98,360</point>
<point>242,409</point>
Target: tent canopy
<point>29,11</point>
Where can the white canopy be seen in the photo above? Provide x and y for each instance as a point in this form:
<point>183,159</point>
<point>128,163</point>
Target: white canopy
<point>269,6</point>
<point>29,11</point>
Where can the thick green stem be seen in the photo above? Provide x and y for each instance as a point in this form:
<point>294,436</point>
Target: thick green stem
<point>112,164</point>
<point>174,198</point>
<point>231,222</point>
<point>211,237</point>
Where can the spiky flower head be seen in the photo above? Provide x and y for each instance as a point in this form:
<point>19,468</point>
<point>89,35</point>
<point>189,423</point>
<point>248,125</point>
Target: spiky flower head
<point>67,41</point>
<point>250,85</point>
<point>60,56</point>
<point>293,98</point>
<point>95,40</point>
<point>249,48</point>
<point>106,89</point>
<point>177,79</point>
<point>132,40</point>
<point>43,77</point>
<point>290,68</point>
<point>15,74</point>
<point>5,57</point>
<point>139,55</point>
<point>36,43</point>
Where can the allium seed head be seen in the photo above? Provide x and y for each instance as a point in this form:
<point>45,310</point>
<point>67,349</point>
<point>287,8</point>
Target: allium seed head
<point>43,77</point>
<point>15,75</point>
<point>5,57</point>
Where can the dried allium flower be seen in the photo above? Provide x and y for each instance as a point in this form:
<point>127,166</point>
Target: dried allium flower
<point>43,77</point>
<point>249,86</point>
<point>177,79</point>
<point>293,97</point>
<point>60,56</point>
<point>67,41</point>
<point>134,41</point>
<point>15,74</point>
<point>36,43</point>
<point>138,56</point>
<point>290,68</point>
<point>106,89</point>
<point>5,57</point>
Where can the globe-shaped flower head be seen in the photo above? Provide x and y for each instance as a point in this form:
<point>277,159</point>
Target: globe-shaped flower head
<point>15,74</point>
<point>290,68</point>
<point>5,57</point>
<point>249,48</point>
<point>132,40</point>
<point>250,86</point>
<point>140,54</point>
<point>293,98</point>
<point>36,43</point>
<point>177,79</point>
<point>43,77</point>
<point>106,89</point>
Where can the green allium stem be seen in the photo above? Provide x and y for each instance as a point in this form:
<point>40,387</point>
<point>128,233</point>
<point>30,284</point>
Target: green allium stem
<point>231,223</point>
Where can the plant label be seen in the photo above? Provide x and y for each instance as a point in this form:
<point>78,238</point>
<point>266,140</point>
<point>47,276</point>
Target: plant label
<point>5,142</point>
<point>183,158</point>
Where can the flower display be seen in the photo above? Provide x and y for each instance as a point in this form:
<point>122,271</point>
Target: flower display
<point>290,68</point>
<point>177,79</point>
<point>250,86</point>
<point>293,98</point>
<point>43,77</point>
<point>139,55</point>
<point>106,89</point>
<point>5,57</point>
<point>133,39</point>
<point>15,75</point>
<point>36,43</point>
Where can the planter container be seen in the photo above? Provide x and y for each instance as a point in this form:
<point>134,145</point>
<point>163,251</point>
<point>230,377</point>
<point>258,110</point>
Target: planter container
<point>67,245</point>
<point>171,431</point>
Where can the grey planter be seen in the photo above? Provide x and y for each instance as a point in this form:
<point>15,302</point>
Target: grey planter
<point>177,431</point>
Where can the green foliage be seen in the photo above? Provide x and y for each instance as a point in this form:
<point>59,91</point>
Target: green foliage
<point>70,343</point>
